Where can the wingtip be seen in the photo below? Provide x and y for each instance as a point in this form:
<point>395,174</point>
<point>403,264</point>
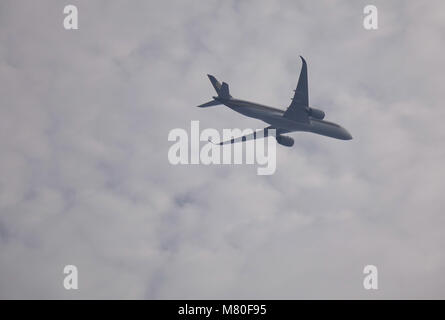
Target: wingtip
<point>210,140</point>
<point>304,61</point>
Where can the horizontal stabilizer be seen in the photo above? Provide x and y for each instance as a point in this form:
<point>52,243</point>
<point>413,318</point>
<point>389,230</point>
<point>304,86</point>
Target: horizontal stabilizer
<point>209,104</point>
<point>224,91</point>
<point>221,89</point>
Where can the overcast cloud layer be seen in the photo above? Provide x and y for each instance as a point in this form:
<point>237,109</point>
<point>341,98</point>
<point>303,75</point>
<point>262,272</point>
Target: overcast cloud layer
<point>85,179</point>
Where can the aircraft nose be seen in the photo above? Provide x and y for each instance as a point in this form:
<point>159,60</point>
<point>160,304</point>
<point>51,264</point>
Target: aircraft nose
<point>346,135</point>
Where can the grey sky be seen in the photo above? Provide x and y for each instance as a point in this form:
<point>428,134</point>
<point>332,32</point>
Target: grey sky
<point>85,179</point>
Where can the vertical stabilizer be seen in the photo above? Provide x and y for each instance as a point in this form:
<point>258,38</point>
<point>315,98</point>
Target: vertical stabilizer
<point>216,84</point>
<point>221,89</point>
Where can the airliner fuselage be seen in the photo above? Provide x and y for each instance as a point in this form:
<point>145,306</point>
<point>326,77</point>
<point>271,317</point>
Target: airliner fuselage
<point>275,117</point>
<point>298,116</point>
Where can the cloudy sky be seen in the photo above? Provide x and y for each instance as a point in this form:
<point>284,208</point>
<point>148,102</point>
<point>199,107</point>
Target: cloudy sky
<point>85,178</point>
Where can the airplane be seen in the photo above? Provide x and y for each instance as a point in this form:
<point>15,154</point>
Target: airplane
<point>298,116</point>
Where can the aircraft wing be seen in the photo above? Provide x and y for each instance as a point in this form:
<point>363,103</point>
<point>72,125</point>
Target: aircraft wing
<point>297,109</point>
<point>251,136</point>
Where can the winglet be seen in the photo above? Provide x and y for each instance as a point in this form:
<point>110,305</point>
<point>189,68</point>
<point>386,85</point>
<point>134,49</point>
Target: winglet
<point>302,86</point>
<point>300,100</point>
<point>304,61</point>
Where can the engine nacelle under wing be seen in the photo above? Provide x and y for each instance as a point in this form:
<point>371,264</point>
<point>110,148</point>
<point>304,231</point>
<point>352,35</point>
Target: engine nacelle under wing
<point>316,113</point>
<point>285,141</point>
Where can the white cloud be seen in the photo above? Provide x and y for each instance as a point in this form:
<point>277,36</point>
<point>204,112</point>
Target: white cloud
<point>85,179</point>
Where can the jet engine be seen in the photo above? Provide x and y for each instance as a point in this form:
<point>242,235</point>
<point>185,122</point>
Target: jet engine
<point>285,141</point>
<point>316,113</point>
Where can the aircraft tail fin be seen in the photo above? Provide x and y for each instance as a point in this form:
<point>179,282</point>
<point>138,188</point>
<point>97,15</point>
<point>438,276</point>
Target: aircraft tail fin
<point>216,84</point>
<point>221,89</point>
